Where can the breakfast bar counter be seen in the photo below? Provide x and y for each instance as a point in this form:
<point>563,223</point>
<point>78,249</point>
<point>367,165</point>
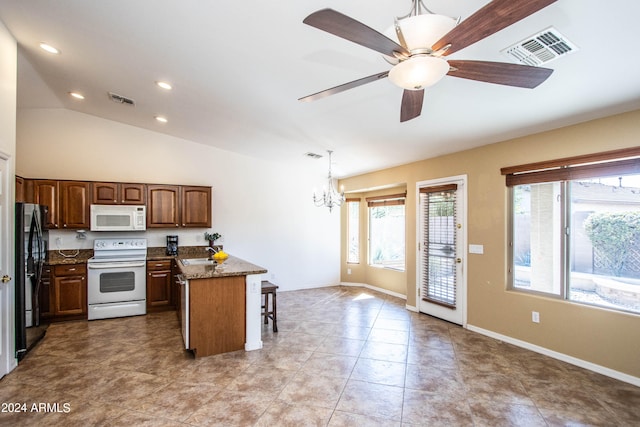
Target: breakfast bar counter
<point>206,269</point>
<point>220,307</point>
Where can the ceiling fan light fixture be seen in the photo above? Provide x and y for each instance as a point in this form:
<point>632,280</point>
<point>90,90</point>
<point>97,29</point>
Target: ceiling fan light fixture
<point>420,32</point>
<point>423,31</point>
<point>419,72</point>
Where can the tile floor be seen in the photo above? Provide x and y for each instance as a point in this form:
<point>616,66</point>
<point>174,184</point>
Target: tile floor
<point>342,357</point>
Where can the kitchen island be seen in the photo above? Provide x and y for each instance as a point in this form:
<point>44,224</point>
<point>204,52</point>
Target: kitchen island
<point>220,306</point>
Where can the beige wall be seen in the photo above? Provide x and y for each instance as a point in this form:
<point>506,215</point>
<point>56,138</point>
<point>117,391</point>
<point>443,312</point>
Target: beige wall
<point>602,337</point>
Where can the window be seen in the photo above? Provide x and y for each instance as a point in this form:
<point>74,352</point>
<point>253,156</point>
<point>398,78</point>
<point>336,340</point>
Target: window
<point>353,231</point>
<point>575,231</point>
<point>387,231</point>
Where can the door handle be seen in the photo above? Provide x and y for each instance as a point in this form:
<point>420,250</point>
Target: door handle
<point>6,278</point>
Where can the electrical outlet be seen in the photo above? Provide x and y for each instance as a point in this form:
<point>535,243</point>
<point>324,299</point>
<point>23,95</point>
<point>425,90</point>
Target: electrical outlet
<point>348,271</point>
<point>535,317</point>
<point>59,241</point>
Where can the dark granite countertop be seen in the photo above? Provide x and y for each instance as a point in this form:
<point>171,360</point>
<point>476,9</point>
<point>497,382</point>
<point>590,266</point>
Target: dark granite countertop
<point>71,256</point>
<point>233,266</point>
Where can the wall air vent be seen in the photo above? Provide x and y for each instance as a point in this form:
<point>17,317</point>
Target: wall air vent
<point>541,48</point>
<point>313,155</point>
<point>121,99</point>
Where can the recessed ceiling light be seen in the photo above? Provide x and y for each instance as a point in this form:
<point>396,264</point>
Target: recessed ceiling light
<point>164,85</point>
<point>161,119</point>
<point>76,95</point>
<point>49,48</point>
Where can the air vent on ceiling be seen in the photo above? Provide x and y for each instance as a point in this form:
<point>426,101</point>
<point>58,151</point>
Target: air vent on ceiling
<point>313,155</point>
<point>121,99</point>
<point>541,48</point>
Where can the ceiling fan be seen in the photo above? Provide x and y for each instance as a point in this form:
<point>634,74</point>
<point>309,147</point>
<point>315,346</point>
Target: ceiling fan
<point>424,39</point>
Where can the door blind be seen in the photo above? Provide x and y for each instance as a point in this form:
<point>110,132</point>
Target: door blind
<point>439,217</point>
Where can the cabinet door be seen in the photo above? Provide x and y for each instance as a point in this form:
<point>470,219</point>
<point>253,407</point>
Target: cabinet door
<point>20,197</point>
<point>196,206</point>
<point>44,296</point>
<point>45,192</point>
<point>74,204</point>
<point>104,193</point>
<point>175,288</point>
<point>132,194</point>
<point>162,206</point>
<point>159,285</point>
<point>115,193</point>
<point>70,295</point>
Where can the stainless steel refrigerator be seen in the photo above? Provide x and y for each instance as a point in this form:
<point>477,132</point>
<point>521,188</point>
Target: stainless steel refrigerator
<point>31,254</point>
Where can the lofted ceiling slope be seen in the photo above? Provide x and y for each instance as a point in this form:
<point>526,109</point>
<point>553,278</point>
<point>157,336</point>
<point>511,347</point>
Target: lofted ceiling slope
<point>238,69</point>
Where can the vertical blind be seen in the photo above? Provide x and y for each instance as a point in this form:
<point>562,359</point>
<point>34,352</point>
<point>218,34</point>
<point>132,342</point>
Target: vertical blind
<point>439,217</point>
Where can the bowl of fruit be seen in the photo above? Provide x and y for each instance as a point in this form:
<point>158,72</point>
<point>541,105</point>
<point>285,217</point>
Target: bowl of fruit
<point>220,257</point>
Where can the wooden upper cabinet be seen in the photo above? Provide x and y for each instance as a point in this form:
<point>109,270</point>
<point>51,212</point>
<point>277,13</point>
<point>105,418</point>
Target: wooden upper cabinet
<point>104,193</point>
<point>114,193</point>
<point>133,194</point>
<point>195,206</point>
<point>20,194</point>
<point>69,202</point>
<point>163,206</point>
<point>45,192</point>
<point>74,204</point>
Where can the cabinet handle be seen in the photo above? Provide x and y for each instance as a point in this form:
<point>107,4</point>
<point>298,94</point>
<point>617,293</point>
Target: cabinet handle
<point>64,225</point>
<point>177,225</point>
<point>72,269</point>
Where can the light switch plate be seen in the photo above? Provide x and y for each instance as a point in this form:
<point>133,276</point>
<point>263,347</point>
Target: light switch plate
<point>476,249</point>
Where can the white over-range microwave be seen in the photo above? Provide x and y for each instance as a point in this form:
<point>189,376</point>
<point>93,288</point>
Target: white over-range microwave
<point>118,217</point>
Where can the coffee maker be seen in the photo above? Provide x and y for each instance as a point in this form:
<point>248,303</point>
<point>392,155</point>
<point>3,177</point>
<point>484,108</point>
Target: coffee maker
<point>172,245</point>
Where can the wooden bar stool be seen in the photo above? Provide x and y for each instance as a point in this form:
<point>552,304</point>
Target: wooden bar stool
<point>269,289</point>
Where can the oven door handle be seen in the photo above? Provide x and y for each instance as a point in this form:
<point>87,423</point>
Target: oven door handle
<point>103,265</point>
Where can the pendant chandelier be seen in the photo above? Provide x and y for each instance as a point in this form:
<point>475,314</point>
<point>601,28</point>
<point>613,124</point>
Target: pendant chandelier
<point>330,196</point>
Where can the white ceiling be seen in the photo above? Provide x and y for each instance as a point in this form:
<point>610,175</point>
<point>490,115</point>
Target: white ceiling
<point>238,69</point>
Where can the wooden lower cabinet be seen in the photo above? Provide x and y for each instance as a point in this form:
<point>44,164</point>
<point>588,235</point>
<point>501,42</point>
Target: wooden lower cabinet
<point>175,288</point>
<point>217,315</point>
<point>69,292</point>
<point>44,296</point>
<point>159,285</point>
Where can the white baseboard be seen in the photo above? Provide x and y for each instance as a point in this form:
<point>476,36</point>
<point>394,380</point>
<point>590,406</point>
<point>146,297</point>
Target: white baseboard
<point>412,308</point>
<point>375,288</point>
<point>384,291</point>
<point>253,346</point>
<point>523,344</point>
<point>560,356</point>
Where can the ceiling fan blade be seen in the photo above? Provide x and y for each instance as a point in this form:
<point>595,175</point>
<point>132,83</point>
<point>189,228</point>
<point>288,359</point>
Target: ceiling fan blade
<point>411,104</point>
<point>493,17</point>
<point>348,28</point>
<point>343,87</point>
<point>501,73</point>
